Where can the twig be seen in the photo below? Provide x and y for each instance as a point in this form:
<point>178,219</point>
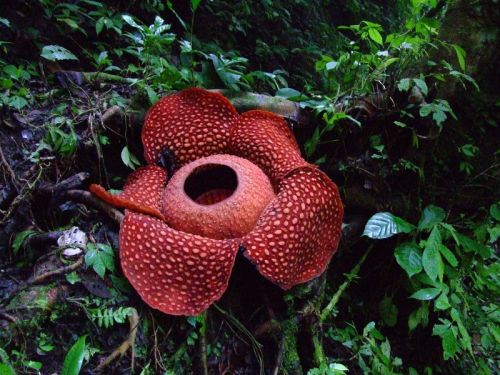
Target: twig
<point>86,197</point>
<point>74,182</point>
<point>33,280</point>
<point>279,357</point>
<point>256,346</point>
<point>12,174</point>
<point>6,316</point>
<point>126,345</point>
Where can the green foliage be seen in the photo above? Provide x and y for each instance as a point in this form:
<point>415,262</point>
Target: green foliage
<point>107,317</point>
<point>57,53</point>
<point>439,259</point>
<point>74,359</point>
<point>385,225</point>
<point>100,257</point>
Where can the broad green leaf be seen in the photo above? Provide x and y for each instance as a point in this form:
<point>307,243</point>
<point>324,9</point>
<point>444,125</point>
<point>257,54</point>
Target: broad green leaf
<point>74,359</point>
<point>99,25</point>
<point>384,225</point>
<point>18,102</point>
<point>404,84</point>
<point>129,159</point>
<point>460,52</point>
<point>419,316</point>
<point>288,92</point>
<point>195,4</point>
<point>375,36</point>
<point>408,257</point>
<point>448,255</point>
<point>57,53</point>
<point>469,245</point>
<point>6,369</point>
<point>20,238</point>
<point>420,83</point>
<point>442,302</point>
<point>426,294</point>
<point>495,211</point>
<point>128,19</point>
<point>431,216</point>
<point>431,260</point>
<point>388,311</point>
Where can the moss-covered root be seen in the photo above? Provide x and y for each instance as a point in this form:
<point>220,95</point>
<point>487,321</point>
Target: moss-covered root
<point>291,359</point>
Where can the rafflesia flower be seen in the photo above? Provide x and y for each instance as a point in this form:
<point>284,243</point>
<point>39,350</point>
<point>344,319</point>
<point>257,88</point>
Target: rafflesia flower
<point>239,182</point>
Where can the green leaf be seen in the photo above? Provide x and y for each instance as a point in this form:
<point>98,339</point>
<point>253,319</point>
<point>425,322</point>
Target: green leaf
<point>495,211</point>
<point>375,36</point>
<point>388,311</point>
<point>431,216</point>
<point>57,53</point>
<point>195,4</point>
<point>448,255</point>
<point>99,25</point>
<point>442,302</point>
<point>18,102</point>
<point>460,52</point>
<point>288,92</point>
<point>408,257</point>
<point>20,238</point>
<point>6,369</point>
<point>420,83</point>
<point>128,19</point>
<point>384,225</point>
<point>404,84</point>
<point>470,245</point>
<point>431,260</point>
<point>426,294</point>
<point>129,159</point>
<point>74,359</point>
<point>419,316</point>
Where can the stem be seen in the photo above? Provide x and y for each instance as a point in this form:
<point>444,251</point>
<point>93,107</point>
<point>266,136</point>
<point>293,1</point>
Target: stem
<point>350,277</point>
<point>203,343</point>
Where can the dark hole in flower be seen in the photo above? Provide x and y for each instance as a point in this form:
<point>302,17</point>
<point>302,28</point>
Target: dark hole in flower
<point>211,183</point>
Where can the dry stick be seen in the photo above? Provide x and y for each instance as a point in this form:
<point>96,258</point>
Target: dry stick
<point>12,174</point>
<point>33,280</point>
<point>129,343</point>
<point>279,357</point>
<point>86,197</point>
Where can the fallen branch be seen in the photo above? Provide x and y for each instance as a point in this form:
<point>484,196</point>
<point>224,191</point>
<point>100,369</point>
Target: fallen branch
<point>129,343</point>
<point>34,280</point>
<point>74,182</point>
<point>86,197</point>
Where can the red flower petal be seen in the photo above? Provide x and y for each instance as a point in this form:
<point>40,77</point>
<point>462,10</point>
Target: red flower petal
<point>192,123</point>
<point>299,231</point>
<point>142,191</point>
<point>265,139</point>
<point>175,272</point>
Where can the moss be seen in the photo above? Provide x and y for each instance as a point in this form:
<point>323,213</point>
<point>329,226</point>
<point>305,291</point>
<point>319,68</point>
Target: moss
<point>291,359</point>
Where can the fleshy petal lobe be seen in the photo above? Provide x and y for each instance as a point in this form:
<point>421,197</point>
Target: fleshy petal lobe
<point>298,233</point>
<point>192,123</point>
<point>265,139</point>
<point>141,193</point>
<point>175,272</point>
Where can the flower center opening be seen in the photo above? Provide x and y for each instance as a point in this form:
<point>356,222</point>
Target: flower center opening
<point>211,183</point>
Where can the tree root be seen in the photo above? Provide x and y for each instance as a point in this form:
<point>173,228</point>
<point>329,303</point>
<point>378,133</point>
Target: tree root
<point>126,345</point>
